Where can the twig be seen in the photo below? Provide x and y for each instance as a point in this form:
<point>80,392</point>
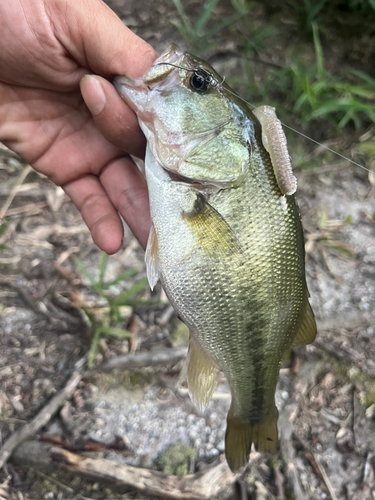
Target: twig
<point>348,357</point>
<point>243,489</point>
<point>351,320</point>
<point>15,188</point>
<point>141,360</point>
<point>279,479</point>
<point>55,481</point>
<point>324,476</point>
<point>166,316</point>
<point>204,485</point>
<point>263,490</point>
<point>367,469</point>
<point>287,451</point>
<point>26,298</point>
<point>31,209</point>
<point>40,420</point>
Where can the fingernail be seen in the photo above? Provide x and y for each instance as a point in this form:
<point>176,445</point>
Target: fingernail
<point>93,94</point>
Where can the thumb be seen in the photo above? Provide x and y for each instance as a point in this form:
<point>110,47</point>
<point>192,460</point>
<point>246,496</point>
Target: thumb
<point>115,120</point>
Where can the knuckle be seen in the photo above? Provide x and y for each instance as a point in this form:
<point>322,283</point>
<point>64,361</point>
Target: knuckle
<point>133,199</point>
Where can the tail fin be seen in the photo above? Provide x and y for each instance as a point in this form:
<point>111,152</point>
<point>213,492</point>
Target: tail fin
<point>240,435</point>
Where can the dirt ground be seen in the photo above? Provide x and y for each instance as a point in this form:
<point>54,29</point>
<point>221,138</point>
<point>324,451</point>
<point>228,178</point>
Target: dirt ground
<point>326,392</point>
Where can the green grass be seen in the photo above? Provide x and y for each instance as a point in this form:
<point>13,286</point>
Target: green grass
<point>195,34</point>
<point>308,91</point>
<point>319,94</point>
<point>111,322</point>
<point>313,95</point>
<point>308,12</point>
<point>175,460</point>
<point>3,228</point>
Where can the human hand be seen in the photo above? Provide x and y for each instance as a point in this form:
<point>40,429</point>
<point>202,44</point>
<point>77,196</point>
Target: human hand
<point>46,49</point>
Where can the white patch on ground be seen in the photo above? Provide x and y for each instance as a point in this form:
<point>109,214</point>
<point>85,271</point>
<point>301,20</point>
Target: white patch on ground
<point>152,424</point>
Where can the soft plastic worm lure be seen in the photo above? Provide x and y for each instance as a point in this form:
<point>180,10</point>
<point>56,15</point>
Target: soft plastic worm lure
<point>274,141</point>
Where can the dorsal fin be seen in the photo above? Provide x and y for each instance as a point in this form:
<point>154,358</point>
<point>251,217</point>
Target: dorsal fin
<point>307,332</point>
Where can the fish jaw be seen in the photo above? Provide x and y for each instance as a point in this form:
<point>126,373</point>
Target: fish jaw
<point>133,92</point>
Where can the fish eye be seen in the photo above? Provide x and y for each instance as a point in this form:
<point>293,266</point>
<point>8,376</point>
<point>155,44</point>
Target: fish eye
<point>198,82</point>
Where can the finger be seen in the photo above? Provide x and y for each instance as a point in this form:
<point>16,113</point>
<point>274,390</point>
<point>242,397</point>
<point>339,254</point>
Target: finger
<point>116,121</point>
<point>97,211</point>
<point>127,190</point>
<point>97,39</point>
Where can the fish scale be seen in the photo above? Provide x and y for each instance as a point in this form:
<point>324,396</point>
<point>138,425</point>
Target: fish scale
<point>227,243</point>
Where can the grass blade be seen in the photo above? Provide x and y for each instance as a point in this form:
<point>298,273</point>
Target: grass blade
<point>94,347</point>
<point>116,332</point>
<point>318,52</point>
<point>184,17</point>
<point>103,266</point>
<point>222,24</point>
<point>206,12</point>
<point>4,226</point>
<point>121,277</point>
<point>150,302</point>
<point>89,276</point>
<point>84,271</point>
<point>363,76</point>
<point>123,298</point>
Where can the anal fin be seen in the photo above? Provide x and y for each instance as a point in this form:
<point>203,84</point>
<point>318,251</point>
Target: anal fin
<point>151,259</point>
<point>202,374</point>
<point>307,332</point>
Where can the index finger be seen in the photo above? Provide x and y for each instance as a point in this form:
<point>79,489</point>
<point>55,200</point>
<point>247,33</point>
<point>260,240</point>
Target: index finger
<point>98,40</point>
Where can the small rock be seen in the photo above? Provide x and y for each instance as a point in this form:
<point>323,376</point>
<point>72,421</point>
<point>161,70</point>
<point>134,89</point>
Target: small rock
<point>329,381</point>
<point>17,405</point>
<point>370,412</point>
<point>221,446</point>
<point>345,441</point>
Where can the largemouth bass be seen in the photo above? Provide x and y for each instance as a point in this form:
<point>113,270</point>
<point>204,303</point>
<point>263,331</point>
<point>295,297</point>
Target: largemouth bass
<point>227,241</point>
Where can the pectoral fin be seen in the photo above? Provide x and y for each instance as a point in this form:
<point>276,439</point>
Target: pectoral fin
<point>212,233</point>
<point>274,141</point>
<point>202,374</point>
<point>151,259</point>
<point>307,331</point>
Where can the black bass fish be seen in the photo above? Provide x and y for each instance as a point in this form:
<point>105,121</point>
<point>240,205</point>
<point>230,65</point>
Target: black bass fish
<point>227,240</point>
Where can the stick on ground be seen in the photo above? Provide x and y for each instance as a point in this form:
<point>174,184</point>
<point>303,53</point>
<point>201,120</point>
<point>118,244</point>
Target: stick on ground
<point>288,453</point>
<point>216,480</point>
<point>141,360</point>
<point>40,420</point>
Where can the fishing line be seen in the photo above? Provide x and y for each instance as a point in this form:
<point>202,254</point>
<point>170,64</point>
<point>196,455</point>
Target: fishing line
<point>307,137</point>
<point>212,80</point>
